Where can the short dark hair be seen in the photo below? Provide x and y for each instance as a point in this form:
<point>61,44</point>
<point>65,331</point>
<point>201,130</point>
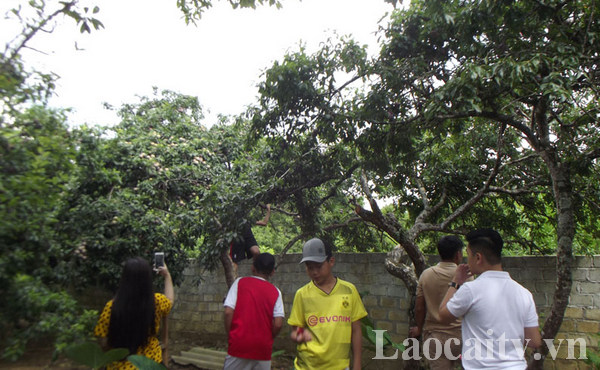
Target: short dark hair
<point>488,242</point>
<point>264,263</point>
<point>448,245</point>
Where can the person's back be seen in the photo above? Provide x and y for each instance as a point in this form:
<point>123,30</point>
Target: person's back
<point>499,311</point>
<point>434,284</point>
<point>431,289</point>
<point>499,315</point>
<point>253,317</point>
<point>132,318</point>
<point>245,245</point>
<point>250,335</point>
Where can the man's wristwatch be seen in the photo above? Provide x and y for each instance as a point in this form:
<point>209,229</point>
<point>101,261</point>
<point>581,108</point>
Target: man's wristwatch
<point>454,285</point>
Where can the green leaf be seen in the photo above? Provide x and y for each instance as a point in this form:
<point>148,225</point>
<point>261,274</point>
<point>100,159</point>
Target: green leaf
<point>90,354</point>
<point>449,18</point>
<point>85,28</point>
<point>277,353</point>
<point>96,23</point>
<point>399,346</point>
<point>145,363</point>
<point>371,335</point>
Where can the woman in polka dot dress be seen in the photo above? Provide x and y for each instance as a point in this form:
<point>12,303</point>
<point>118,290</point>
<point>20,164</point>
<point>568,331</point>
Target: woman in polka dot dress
<point>132,318</point>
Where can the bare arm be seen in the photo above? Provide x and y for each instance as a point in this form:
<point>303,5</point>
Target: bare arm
<point>265,220</point>
<point>461,275</point>
<point>534,336</point>
<point>277,325</point>
<point>356,345</point>
<point>169,291</point>
<point>228,318</point>
<point>420,310</point>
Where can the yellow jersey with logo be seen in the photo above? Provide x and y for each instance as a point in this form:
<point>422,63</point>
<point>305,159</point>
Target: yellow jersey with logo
<point>329,319</point>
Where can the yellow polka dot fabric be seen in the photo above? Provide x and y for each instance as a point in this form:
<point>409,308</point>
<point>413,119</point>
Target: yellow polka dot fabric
<point>152,349</point>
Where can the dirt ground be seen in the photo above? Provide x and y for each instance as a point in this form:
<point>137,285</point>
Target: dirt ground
<point>39,355</point>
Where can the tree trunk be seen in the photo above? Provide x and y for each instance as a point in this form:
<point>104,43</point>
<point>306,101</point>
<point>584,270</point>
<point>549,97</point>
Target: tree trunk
<point>565,231</point>
<point>394,230</point>
<point>565,228</point>
<point>228,267</point>
<point>398,261</point>
<point>398,264</point>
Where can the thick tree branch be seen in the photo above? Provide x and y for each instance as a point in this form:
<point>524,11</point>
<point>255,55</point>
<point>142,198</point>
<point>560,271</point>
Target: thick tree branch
<point>390,226</point>
<point>365,188</point>
<point>427,209</point>
<point>228,268</point>
<point>345,84</point>
<point>342,224</point>
<point>398,266</point>
<point>416,229</point>
<point>422,192</point>
<point>331,227</point>
<point>519,191</point>
<point>333,190</point>
<point>519,160</point>
<point>289,245</point>
<point>283,211</point>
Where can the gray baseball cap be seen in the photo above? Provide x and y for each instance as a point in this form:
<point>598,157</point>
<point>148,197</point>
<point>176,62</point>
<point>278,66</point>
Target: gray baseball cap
<point>314,250</point>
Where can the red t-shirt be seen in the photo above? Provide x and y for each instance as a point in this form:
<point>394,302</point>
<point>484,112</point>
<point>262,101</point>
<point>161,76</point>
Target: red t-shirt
<point>251,335</point>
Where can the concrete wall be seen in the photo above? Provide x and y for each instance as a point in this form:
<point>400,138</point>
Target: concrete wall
<point>198,309</point>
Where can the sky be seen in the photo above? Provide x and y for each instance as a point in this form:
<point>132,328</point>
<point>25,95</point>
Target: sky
<point>146,43</point>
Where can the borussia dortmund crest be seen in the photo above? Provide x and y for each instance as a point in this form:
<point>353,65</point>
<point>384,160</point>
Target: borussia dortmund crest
<point>345,302</point>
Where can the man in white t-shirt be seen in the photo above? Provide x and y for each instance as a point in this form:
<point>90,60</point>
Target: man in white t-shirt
<point>499,316</point>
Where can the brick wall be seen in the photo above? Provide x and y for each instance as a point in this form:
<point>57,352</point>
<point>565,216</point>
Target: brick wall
<point>198,308</point>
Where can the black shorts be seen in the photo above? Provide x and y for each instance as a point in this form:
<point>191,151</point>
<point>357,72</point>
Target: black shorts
<point>240,248</point>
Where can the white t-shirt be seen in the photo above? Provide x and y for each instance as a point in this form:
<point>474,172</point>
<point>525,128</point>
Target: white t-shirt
<point>495,311</point>
<point>231,299</point>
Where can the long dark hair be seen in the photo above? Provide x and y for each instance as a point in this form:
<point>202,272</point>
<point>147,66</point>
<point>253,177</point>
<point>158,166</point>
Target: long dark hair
<point>132,315</point>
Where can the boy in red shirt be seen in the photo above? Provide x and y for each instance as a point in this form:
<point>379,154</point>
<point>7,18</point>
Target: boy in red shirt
<point>253,317</point>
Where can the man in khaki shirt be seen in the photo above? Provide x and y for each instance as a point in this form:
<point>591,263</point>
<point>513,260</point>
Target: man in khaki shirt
<point>433,285</point>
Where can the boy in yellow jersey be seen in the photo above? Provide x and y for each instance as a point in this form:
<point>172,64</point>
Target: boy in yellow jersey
<point>325,315</point>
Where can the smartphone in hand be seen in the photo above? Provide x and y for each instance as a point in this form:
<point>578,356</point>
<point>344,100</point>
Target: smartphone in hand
<point>159,259</point>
